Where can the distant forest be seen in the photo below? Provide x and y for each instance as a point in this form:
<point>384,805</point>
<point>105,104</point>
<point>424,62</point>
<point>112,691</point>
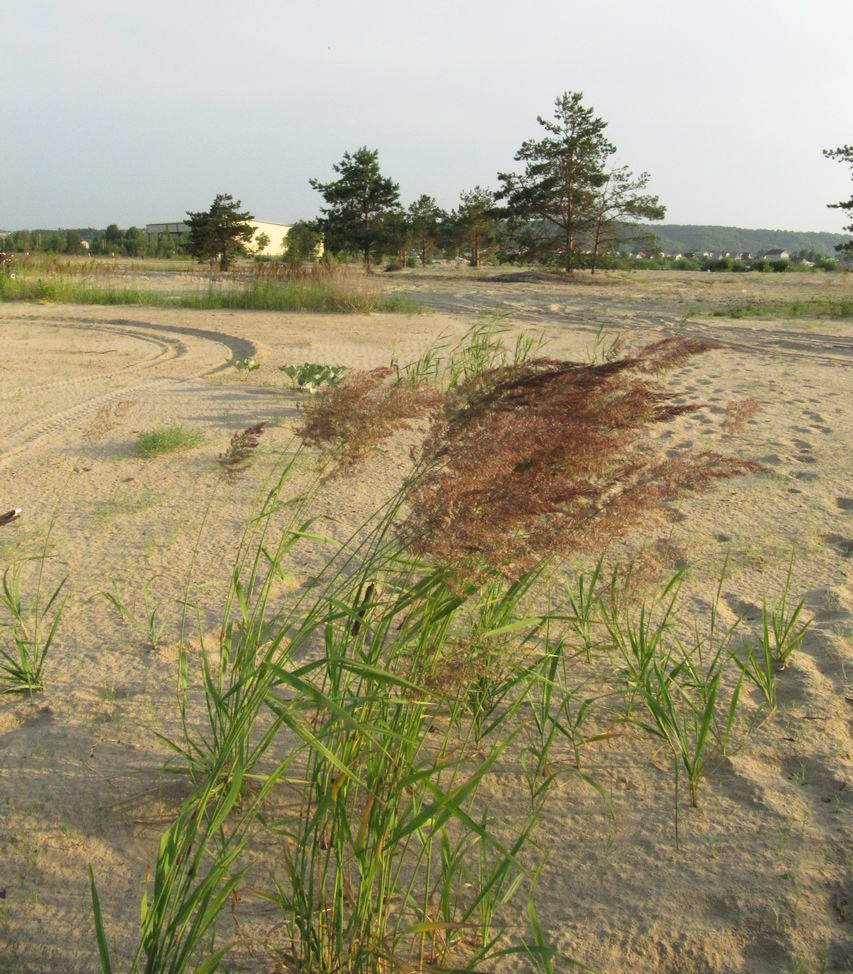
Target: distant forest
<point>672,239</point>
<point>675,238</point>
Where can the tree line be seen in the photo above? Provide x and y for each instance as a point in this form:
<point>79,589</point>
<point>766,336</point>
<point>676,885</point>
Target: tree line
<point>566,205</point>
<point>132,242</point>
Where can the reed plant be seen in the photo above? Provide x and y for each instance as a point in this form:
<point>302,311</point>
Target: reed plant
<point>391,860</point>
<point>28,625</point>
<point>525,460</point>
<point>27,630</point>
<point>356,724</point>
<point>641,638</point>
<point>584,601</point>
<point>145,623</point>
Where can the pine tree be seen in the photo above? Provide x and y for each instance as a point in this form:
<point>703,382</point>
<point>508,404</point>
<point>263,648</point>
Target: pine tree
<point>426,218</point>
<point>222,233</point>
<point>843,153</point>
<point>617,204</point>
<point>562,175</point>
<point>358,205</point>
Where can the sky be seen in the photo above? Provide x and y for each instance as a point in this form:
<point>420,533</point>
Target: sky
<point>134,113</point>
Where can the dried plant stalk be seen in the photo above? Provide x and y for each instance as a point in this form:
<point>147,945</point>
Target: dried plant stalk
<point>530,460</point>
<point>738,411</point>
<point>241,449</point>
<point>365,409</point>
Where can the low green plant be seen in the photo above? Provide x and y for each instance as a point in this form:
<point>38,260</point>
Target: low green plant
<point>27,632</point>
<point>603,348</point>
<point>246,364</point>
<point>309,378</point>
<point>146,624</point>
<point>780,634</point>
<point>167,439</point>
<point>783,622</point>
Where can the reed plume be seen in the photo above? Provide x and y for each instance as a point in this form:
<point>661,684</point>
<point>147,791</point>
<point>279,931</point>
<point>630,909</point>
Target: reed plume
<point>526,461</point>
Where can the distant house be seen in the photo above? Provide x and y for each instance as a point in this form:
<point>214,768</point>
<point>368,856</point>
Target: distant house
<point>276,232</point>
<point>777,255</point>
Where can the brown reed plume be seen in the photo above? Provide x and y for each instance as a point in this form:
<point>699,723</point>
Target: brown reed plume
<point>240,450</point>
<point>527,461</point>
<point>362,411</point>
<point>738,412</point>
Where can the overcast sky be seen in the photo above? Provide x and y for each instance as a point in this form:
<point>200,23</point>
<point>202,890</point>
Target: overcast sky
<point>133,113</point>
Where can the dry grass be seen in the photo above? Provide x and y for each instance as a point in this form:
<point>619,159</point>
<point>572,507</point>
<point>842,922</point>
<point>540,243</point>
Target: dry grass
<point>241,449</point>
<point>526,461</point>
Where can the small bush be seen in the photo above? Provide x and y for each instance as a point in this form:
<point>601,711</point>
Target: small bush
<point>167,439</point>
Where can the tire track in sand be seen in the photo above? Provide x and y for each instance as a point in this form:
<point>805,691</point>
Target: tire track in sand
<point>171,342</point>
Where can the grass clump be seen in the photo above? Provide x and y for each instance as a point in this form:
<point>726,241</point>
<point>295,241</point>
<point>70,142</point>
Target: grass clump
<point>263,287</point>
<point>27,631</point>
<point>167,439</point>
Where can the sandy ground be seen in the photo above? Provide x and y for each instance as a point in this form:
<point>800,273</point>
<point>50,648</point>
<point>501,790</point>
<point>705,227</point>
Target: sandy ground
<point>762,878</point>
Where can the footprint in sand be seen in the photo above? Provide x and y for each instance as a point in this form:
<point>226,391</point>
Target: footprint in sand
<point>844,546</point>
<point>745,610</point>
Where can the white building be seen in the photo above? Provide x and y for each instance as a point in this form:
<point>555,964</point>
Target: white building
<point>275,232</point>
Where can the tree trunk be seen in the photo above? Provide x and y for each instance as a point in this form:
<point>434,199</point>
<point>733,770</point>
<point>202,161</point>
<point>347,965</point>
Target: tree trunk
<point>475,249</point>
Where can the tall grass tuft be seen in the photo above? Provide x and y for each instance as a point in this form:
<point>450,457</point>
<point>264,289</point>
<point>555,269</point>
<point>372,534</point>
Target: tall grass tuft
<point>27,632</point>
<point>265,287</point>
